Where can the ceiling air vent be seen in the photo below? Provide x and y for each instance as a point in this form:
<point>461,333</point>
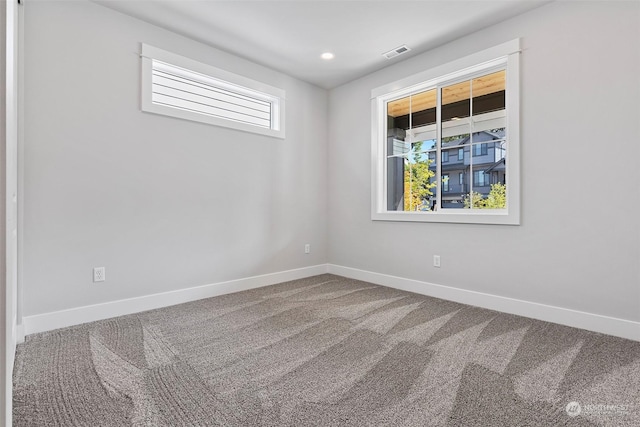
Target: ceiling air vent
<point>397,51</point>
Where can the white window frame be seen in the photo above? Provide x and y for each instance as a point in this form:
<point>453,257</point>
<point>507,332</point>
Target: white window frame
<point>504,56</point>
<point>245,85</point>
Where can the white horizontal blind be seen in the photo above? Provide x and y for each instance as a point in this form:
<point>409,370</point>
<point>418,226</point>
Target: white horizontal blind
<point>190,91</point>
<point>180,87</point>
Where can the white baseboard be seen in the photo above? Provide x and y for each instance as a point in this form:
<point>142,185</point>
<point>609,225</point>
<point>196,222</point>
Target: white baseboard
<point>75,316</point>
<point>564,316</point>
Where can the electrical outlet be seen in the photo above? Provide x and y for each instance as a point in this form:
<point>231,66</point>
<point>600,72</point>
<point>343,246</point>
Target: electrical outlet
<point>307,248</point>
<point>99,274</point>
<point>436,261</point>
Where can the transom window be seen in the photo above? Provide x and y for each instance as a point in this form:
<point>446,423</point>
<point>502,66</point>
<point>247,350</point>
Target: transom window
<point>176,86</point>
<point>468,118</point>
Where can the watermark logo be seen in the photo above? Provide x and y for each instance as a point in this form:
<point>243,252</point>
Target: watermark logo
<point>573,409</point>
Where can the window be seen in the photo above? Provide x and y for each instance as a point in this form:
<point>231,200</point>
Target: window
<point>472,105</point>
<point>480,149</point>
<point>176,86</point>
<point>480,178</point>
<point>432,158</point>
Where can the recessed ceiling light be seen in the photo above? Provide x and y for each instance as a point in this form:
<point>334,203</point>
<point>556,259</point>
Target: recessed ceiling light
<point>327,55</point>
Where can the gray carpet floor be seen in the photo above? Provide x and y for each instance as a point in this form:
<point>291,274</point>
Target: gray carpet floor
<point>325,351</point>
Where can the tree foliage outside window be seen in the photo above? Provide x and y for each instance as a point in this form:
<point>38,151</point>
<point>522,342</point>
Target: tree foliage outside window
<point>496,199</point>
<point>418,180</point>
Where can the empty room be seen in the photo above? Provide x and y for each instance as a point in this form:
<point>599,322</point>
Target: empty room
<point>320,213</point>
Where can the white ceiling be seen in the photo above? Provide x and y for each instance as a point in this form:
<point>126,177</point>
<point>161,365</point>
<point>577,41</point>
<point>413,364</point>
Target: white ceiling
<point>289,36</point>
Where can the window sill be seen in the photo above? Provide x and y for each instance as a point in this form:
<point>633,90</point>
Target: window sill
<point>498,217</point>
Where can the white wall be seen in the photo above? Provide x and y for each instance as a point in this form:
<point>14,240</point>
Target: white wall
<point>579,243</point>
<point>162,203</point>
<point>4,372</point>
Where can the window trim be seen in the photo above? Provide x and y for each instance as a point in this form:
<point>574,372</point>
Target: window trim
<point>275,95</point>
<point>506,56</point>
